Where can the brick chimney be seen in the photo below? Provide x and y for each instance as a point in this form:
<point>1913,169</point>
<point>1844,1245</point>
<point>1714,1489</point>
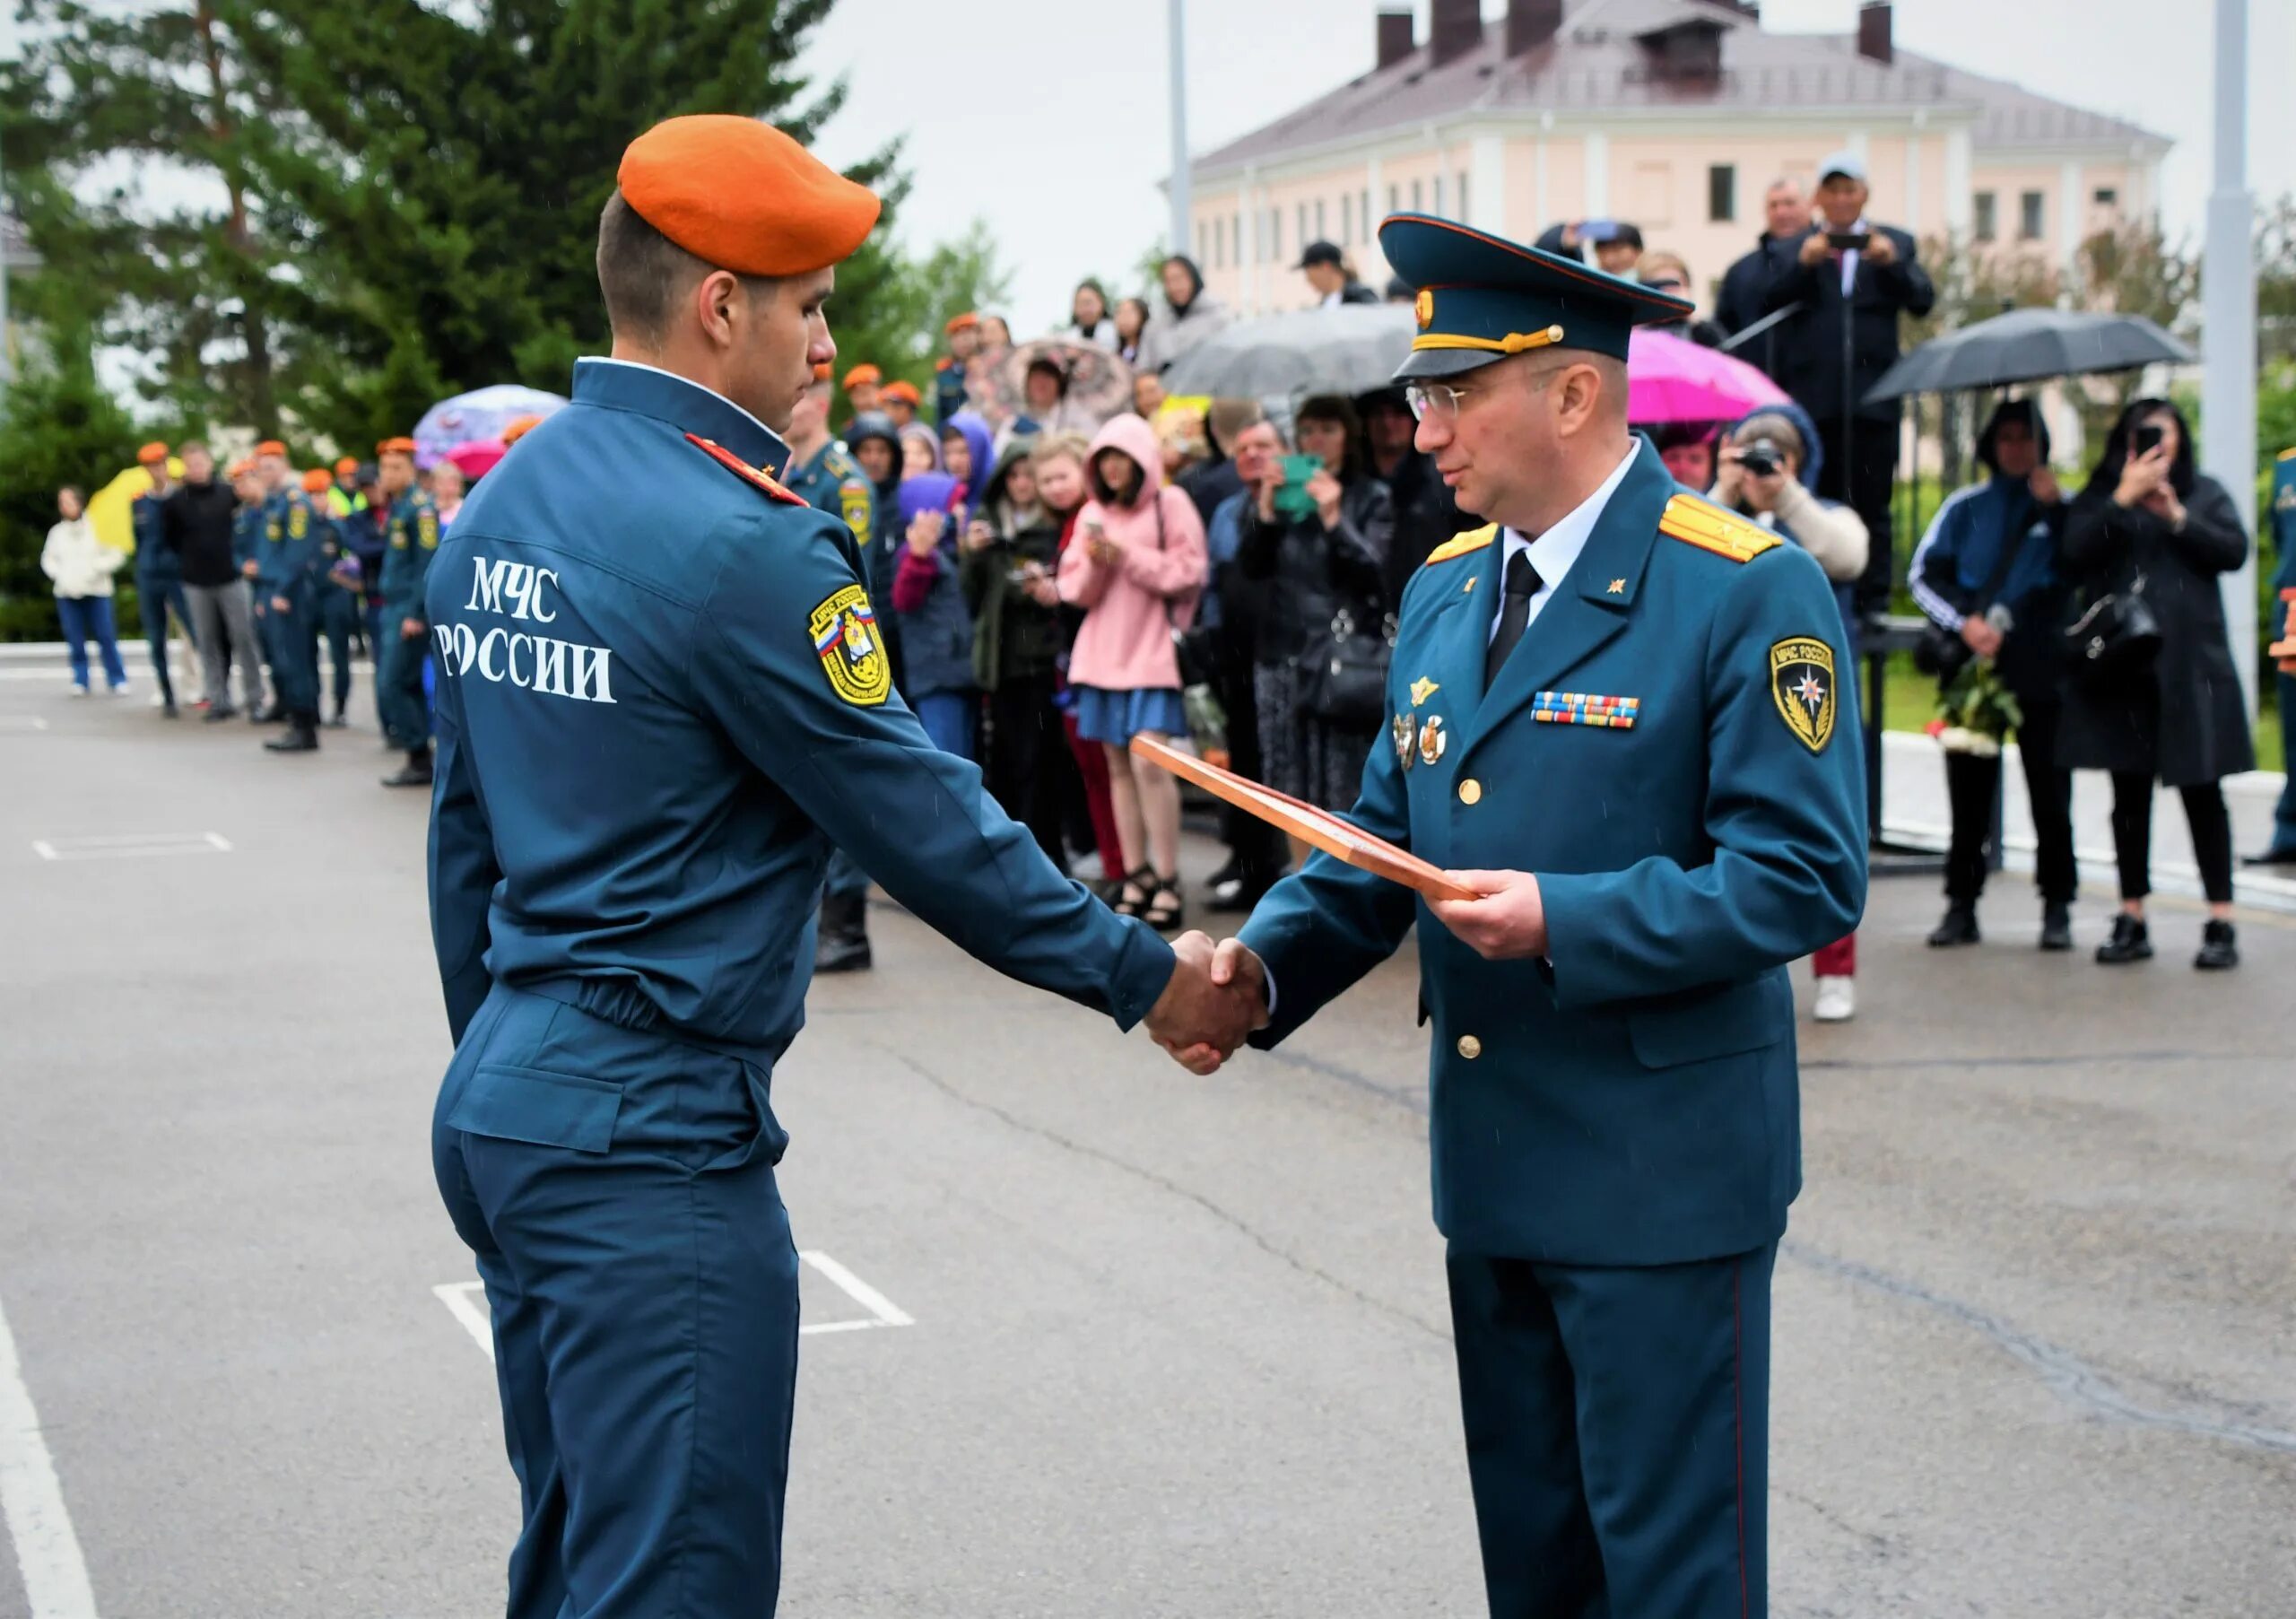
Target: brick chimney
<point>1531,23</point>
<point>1454,29</point>
<point>1874,32</point>
<point>1395,38</point>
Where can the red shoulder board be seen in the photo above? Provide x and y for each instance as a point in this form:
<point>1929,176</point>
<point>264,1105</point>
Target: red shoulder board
<point>733,463</point>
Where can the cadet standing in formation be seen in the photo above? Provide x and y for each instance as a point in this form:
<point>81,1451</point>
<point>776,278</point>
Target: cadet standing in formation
<point>293,534</point>
<point>159,573</point>
<point>1625,712</point>
<point>660,694</point>
<point>411,537</point>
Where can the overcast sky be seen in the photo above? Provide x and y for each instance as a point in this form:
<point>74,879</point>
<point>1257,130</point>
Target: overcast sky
<point>1050,118</point>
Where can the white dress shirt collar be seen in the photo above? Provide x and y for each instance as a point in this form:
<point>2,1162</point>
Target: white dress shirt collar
<point>1556,552</point>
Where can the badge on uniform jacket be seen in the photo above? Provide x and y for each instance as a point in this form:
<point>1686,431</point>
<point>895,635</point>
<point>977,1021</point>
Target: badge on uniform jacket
<point>1802,683</point>
<point>844,630</point>
<point>299,522</point>
<point>426,529</point>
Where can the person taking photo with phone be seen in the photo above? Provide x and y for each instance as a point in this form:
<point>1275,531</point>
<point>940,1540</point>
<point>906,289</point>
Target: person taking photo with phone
<point>1846,281</point>
<point>2151,526</point>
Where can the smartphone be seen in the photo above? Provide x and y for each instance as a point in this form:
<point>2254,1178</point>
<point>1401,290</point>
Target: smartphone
<point>1849,241</point>
<point>1292,497</point>
<point>2148,439</point>
<point>1598,231</point>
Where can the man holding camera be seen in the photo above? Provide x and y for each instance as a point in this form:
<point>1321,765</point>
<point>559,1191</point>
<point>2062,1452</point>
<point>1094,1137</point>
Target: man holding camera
<point>1846,281</point>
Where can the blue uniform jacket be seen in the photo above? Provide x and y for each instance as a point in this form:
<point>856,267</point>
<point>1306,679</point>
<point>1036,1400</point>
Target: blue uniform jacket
<point>294,548</point>
<point>153,559</point>
<point>1633,1100</point>
<point>247,536</point>
<point>659,697</point>
<point>414,541</point>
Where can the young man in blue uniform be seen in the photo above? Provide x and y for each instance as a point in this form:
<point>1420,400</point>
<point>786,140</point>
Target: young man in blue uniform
<point>299,539</point>
<point>158,574</point>
<point>660,696</point>
<point>411,539</point>
<point>1618,716</point>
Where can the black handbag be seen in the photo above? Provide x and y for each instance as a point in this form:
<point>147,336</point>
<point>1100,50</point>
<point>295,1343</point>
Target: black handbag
<point>2116,634</point>
<point>1345,677</point>
<point>1942,652</point>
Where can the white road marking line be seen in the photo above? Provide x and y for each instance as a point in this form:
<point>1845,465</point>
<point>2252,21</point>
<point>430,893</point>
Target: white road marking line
<point>23,722</point>
<point>868,1297</point>
<point>128,846</point>
<point>55,1574</point>
<point>467,1303</point>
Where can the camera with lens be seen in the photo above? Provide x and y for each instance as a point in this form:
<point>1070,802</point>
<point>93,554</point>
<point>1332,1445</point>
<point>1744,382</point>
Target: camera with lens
<point>1761,459</point>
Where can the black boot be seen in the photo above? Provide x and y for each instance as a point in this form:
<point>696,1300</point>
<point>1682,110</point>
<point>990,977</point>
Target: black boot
<point>301,736</point>
<point>1959,928</point>
<point>2218,949</point>
<point>415,772</point>
<point>2056,925</point>
<point>2132,941</point>
<point>842,944</point>
<point>273,715</point>
<point>335,722</point>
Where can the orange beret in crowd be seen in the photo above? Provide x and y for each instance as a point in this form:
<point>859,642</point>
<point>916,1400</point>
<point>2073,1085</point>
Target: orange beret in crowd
<point>965,322</point>
<point>520,426</point>
<point>318,481</point>
<point>904,391</point>
<point>744,197</point>
<point>863,374</point>
<point>241,467</point>
<point>396,447</point>
<point>344,464</point>
<point>271,446</point>
<point>151,453</point>
<point>821,373</point>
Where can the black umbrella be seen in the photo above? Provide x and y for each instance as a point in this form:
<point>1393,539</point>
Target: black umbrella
<point>2026,345</point>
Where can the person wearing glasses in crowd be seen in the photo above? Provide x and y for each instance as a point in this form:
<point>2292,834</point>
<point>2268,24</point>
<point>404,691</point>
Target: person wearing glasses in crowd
<point>1616,718</point>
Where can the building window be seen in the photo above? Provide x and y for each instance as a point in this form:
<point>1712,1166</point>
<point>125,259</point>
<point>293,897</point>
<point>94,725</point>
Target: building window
<point>1236,235</point>
<point>1722,193</point>
<point>1395,199</point>
<point>1415,207</point>
<point>2032,208</point>
<point>1319,217</point>
<point>1983,223</point>
<point>1347,219</point>
<point>2107,197</point>
<point>1438,196</point>
<point>1364,212</point>
<point>1463,198</point>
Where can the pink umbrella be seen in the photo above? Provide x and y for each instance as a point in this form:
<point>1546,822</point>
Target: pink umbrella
<point>477,456</point>
<point>1671,378</point>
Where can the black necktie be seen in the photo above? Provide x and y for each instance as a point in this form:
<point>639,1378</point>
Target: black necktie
<point>1523,582</point>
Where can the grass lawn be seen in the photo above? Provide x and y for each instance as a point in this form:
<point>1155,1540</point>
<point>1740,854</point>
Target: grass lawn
<point>1909,702</point>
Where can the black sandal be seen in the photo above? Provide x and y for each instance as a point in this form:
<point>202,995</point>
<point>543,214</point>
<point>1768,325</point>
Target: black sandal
<point>1159,917</point>
<point>1133,894</point>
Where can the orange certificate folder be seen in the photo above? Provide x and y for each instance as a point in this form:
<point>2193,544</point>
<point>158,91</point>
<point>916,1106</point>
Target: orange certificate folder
<point>1341,840</point>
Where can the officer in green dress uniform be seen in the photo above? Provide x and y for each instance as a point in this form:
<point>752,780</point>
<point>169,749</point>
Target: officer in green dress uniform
<point>1619,714</point>
<point>411,540</point>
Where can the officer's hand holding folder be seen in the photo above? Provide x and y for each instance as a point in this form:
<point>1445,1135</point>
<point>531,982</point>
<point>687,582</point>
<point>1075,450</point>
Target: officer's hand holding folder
<point>1339,838</point>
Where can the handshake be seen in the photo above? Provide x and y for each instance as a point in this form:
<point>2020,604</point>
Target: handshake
<point>1218,996</point>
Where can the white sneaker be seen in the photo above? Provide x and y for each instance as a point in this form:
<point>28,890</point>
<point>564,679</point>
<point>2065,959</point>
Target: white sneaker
<point>1837,1000</point>
<point>79,690</point>
<point>158,699</point>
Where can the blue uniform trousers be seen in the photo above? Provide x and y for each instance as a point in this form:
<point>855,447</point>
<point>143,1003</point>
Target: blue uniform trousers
<point>294,648</point>
<point>398,687</point>
<point>156,595</point>
<point>1617,1434</point>
<point>2284,821</point>
<point>338,621</point>
<point>617,1187</point>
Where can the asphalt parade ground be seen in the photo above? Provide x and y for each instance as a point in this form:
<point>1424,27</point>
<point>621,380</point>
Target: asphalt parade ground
<point>1088,1335</point>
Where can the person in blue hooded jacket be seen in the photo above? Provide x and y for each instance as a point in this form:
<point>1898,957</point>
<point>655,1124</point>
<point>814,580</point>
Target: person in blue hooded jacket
<point>1988,573</point>
<point>936,627</point>
<point>1767,469</point>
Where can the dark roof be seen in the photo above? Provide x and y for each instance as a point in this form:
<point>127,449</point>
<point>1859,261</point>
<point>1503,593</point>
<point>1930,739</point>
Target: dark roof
<point>1596,63</point>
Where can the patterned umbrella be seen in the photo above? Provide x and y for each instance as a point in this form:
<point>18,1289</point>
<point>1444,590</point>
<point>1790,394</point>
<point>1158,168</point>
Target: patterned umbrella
<point>1670,378</point>
<point>1100,385</point>
<point>482,415</point>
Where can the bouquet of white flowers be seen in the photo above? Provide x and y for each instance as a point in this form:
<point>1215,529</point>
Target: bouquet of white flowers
<point>1975,711</point>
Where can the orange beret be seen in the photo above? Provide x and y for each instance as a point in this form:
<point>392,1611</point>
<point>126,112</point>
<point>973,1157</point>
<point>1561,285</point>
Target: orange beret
<point>964,322</point>
<point>519,428</point>
<point>271,446</point>
<point>396,447</point>
<point>241,467</point>
<point>821,373</point>
<point>316,480</point>
<point>905,391</point>
<point>861,374</point>
<point>744,197</point>
<point>152,452</point>
<point>344,464</point>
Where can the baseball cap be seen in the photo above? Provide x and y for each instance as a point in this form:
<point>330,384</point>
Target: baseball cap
<point>1846,163</point>
<point>1320,253</point>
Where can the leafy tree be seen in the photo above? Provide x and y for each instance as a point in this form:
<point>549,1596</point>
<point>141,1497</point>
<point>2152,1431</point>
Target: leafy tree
<point>889,308</point>
<point>58,425</point>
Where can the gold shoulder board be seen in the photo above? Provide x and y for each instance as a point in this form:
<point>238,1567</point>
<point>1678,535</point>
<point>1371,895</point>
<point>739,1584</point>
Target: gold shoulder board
<point>1714,528</point>
<point>1473,541</point>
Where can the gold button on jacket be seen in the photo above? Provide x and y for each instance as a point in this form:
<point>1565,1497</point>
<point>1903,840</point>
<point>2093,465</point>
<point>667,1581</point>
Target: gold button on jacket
<point>1470,791</point>
<point>1470,1048</point>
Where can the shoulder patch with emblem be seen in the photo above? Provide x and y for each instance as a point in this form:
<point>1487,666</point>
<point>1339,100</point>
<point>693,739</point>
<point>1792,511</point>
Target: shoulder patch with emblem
<point>426,530</point>
<point>755,476</point>
<point>1473,541</point>
<point>853,501</point>
<point>844,630</point>
<point>1803,685</point>
<point>1715,529</point>
<point>299,521</point>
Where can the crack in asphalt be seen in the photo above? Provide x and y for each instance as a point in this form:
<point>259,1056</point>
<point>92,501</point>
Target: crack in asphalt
<point>1162,1182</point>
<point>2067,1373</point>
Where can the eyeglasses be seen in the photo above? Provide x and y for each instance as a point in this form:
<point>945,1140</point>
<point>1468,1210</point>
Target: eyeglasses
<point>1440,400</point>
